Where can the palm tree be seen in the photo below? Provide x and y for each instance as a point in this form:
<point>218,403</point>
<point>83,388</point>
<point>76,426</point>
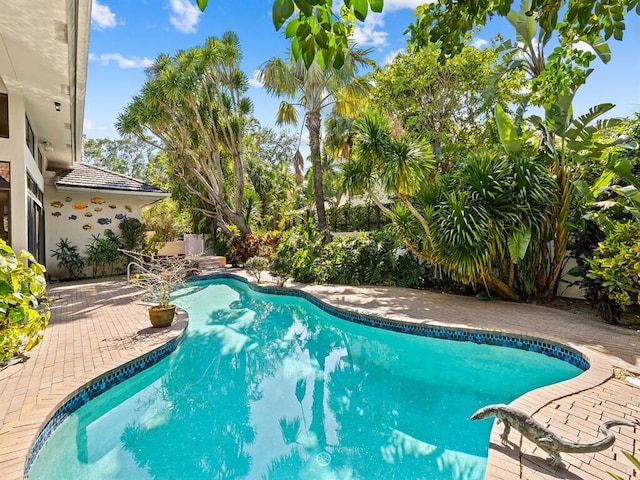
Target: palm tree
<point>193,107</point>
<point>314,89</point>
<point>397,164</point>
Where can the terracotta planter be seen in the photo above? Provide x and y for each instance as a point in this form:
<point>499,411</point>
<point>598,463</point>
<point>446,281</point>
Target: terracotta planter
<point>162,316</point>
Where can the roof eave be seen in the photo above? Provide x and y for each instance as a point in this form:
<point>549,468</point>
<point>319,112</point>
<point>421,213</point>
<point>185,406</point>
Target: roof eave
<point>79,22</point>
<point>69,188</point>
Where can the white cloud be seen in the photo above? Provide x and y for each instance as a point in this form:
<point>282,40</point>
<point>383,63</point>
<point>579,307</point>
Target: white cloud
<point>256,81</point>
<point>102,16</point>
<point>479,43</point>
<point>368,34</point>
<point>391,55</point>
<point>186,17</point>
<point>122,61</point>
<point>390,5</point>
<point>89,125</point>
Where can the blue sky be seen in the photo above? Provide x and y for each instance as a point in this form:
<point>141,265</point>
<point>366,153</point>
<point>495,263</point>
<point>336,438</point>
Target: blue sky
<point>126,36</point>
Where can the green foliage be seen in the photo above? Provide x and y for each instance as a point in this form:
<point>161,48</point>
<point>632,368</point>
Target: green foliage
<point>315,87</point>
<point>241,248</point>
<point>281,269</point>
<point>132,234</point>
<point>270,156</point>
<point>448,104</point>
<point>193,105</point>
<point>69,257</point>
<point>349,218</point>
<point>366,259</point>
<point>299,250</point>
<point>104,252</point>
<point>22,315</point>
<point>168,219</point>
<point>616,263</point>
<point>127,155</point>
<point>255,266</point>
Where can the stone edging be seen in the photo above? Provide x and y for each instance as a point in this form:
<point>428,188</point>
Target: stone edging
<point>109,379</point>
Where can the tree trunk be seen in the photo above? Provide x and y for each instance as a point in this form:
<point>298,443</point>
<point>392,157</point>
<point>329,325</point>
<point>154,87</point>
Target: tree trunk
<point>314,122</point>
<point>497,286</point>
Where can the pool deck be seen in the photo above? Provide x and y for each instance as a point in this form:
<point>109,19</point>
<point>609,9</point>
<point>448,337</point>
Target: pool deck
<point>96,326</point>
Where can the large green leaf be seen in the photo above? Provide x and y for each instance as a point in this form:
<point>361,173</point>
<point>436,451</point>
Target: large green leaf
<point>579,125</point>
<point>281,11</point>
<point>509,135</point>
<point>525,26</point>
<point>600,47</point>
<point>519,243</point>
<point>305,7</point>
<point>603,182</point>
<point>623,168</point>
<point>360,9</point>
<point>376,5</point>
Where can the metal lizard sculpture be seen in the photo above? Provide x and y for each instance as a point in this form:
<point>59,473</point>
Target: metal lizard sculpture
<point>541,436</point>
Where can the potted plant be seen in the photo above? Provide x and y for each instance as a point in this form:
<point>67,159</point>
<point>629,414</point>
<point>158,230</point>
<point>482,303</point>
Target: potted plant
<point>158,277</point>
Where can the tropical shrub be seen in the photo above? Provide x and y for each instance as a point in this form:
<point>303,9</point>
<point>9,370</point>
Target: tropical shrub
<point>255,266</point>
<point>374,258</point>
<point>300,249</point>
<point>104,253</point>
<point>22,315</point>
<point>583,246</point>
<point>132,234</point>
<point>616,264</point>
<point>69,257</point>
<point>281,269</point>
<point>241,248</point>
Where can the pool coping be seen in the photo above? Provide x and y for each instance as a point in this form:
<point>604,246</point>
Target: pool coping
<point>596,374</point>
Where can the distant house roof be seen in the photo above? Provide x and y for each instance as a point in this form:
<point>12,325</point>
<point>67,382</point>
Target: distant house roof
<point>86,176</point>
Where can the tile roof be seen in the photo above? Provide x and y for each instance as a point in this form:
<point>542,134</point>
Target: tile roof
<point>84,175</point>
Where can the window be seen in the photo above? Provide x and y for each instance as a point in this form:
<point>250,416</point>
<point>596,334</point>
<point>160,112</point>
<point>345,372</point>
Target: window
<point>5,206</point>
<point>40,160</point>
<point>4,115</point>
<point>31,138</point>
<point>35,220</point>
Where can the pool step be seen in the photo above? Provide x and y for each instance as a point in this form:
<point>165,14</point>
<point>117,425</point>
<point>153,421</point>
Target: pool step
<point>211,261</point>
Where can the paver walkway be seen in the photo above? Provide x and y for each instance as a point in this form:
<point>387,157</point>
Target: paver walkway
<point>96,326</point>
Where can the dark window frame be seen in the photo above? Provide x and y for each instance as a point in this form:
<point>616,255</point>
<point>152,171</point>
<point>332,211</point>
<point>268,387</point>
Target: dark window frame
<point>30,137</point>
<point>4,115</point>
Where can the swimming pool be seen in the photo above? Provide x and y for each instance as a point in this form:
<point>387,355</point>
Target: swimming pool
<point>268,386</point>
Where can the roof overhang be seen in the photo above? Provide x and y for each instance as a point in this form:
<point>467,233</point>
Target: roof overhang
<point>44,49</point>
<point>144,198</point>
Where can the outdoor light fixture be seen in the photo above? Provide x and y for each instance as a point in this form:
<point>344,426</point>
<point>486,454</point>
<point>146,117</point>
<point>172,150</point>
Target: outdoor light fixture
<point>47,146</point>
<point>57,105</point>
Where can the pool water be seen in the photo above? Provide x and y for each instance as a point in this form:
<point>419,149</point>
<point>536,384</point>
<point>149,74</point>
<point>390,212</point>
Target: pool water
<point>271,387</point>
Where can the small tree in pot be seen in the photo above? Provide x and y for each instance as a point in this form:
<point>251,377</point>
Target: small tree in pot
<point>158,277</point>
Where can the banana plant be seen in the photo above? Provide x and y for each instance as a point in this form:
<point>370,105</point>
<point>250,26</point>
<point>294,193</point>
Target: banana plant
<point>565,144</point>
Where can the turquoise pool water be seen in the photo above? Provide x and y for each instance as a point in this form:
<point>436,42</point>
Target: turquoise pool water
<point>271,387</point>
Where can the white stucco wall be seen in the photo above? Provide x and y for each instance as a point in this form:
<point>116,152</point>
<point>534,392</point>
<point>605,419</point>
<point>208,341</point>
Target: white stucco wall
<point>13,150</point>
<point>91,218</point>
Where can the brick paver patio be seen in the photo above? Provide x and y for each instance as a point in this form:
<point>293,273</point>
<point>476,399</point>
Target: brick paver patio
<point>97,326</point>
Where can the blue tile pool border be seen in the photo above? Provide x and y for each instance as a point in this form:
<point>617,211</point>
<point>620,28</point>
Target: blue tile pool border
<point>119,374</point>
<point>531,344</point>
<point>96,387</point>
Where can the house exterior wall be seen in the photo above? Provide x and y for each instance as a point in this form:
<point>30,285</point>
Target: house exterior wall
<point>77,216</point>
<point>15,151</point>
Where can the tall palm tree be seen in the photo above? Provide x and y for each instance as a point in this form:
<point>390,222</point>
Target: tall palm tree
<point>314,89</point>
<point>397,164</point>
<point>193,107</point>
